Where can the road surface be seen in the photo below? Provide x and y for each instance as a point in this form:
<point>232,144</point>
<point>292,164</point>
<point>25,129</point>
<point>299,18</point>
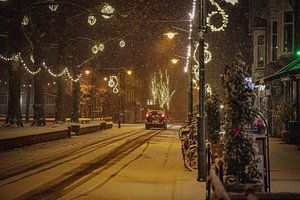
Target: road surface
<point>126,163</point>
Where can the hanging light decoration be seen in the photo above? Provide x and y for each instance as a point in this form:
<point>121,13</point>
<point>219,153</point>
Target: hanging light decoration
<point>101,47</point>
<point>25,20</point>
<point>113,83</point>
<point>207,58</point>
<point>92,20</point>
<point>31,58</point>
<point>221,12</point>
<point>122,43</point>
<point>53,7</point>
<point>232,1</point>
<point>107,11</point>
<point>95,49</point>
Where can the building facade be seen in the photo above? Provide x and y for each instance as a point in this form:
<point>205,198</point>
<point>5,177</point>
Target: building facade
<point>275,69</point>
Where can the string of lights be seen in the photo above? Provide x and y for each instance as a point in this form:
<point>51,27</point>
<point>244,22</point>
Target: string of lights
<point>65,71</point>
<point>189,48</point>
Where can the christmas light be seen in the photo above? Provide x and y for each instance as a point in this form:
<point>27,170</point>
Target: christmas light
<point>53,7</point>
<point>189,48</point>
<point>107,11</point>
<point>26,68</point>
<point>207,58</point>
<point>219,11</point>
<point>53,74</point>
<point>25,21</point>
<point>113,83</point>
<point>232,1</point>
<point>122,43</point>
<point>160,91</point>
<point>101,47</point>
<point>92,20</point>
<point>95,49</point>
<point>8,59</point>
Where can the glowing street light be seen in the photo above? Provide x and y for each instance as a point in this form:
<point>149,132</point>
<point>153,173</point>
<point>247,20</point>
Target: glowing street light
<point>174,61</point>
<point>129,72</point>
<point>87,72</point>
<point>171,35</point>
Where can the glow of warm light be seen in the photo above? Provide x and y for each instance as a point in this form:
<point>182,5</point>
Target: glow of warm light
<point>95,49</point>
<point>87,72</point>
<point>53,7</point>
<point>107,11</point>
<point>25,20</point>
<point>101,47</point>
<point>221,106</point>
<point>129,72</point>
<point>219,11</point>
<point>114,83</point>
<point>92,20</point>
<point>232,1</point>
<point>174,61</point>
<point>122,43</point>
<point>160,90</point>
<point>105,78</point>
<point>171,35</point>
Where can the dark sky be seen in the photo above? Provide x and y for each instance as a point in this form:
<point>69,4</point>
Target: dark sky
<point>141,23</point>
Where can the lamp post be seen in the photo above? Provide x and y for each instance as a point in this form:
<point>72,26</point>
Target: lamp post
<point>201,116</point>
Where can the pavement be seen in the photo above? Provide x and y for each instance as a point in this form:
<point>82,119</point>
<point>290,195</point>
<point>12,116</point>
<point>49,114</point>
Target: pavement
<point>284,166</point>
<point>13,137</point>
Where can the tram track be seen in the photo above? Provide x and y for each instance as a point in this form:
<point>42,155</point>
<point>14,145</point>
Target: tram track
<point>60,155</point>
<point>70,180</point>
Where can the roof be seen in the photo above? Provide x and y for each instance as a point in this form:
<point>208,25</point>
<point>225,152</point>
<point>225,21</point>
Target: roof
<point>290,69</point>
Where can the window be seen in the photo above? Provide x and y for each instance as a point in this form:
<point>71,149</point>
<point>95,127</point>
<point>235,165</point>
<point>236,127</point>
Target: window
<point>288,31</point>
<point>274,41</point>
<point>261,51</point>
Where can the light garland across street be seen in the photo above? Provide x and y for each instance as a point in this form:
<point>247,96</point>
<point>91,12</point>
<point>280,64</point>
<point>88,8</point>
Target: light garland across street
<point>65,71</point>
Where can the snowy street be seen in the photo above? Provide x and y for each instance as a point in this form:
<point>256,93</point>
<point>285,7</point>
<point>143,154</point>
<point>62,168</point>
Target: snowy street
<point>127,163</point>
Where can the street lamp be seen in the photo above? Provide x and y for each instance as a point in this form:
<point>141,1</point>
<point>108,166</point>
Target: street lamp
<point>171,35</point>
<point>174,61</point>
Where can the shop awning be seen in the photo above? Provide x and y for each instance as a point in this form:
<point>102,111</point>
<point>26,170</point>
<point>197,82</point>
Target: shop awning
<point>291,69</point>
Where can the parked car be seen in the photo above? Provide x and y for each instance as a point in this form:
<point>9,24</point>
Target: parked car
<point>155,118</point>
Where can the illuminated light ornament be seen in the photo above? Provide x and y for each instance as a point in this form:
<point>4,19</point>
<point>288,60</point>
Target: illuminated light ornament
<point>221,12</point>
<point>113,83</point>
<point>92,20</point>
<point>189,48</point>
<point>107,11</point>
<point>208,89</point>
<point>101,47</point>
<point>25,20</point>
<point>207,58</point>
<point>27,69</point>
<point>52,73</point>
<point>232,1</point>
<point>95,49</point>
<point>31,58</point>
<point>53,7</point>
<point>72,78</point>
<point>122,43</point>
<point>9,59</point>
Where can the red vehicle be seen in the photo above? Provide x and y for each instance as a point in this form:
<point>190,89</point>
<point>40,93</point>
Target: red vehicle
<point>156,118</point>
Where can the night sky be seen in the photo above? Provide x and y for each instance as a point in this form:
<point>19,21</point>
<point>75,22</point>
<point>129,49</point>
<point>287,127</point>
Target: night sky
<point>141,24</point>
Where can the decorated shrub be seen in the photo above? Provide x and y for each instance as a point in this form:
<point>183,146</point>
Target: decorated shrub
<point>239,151</point>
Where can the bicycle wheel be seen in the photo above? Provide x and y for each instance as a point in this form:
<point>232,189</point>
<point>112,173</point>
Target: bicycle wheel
<point>191,158</point>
